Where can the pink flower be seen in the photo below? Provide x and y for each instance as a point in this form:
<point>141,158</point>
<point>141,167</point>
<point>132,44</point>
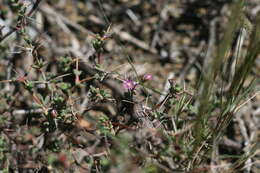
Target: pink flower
<point>147,76</point>
<point>129,84</point>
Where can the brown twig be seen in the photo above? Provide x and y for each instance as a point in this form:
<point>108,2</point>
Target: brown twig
<point>8,136</point>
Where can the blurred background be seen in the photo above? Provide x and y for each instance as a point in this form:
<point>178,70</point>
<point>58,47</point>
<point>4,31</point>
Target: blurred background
<point>170,39</point>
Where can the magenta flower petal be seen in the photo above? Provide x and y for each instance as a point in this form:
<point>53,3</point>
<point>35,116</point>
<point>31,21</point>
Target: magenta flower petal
<point>129,84</point>
<point>147,76</point>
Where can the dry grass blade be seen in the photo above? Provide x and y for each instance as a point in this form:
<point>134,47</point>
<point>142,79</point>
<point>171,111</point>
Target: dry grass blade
<point>212,71</point>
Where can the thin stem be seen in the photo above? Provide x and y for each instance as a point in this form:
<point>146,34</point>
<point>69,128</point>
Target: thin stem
<point>14,29</point>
